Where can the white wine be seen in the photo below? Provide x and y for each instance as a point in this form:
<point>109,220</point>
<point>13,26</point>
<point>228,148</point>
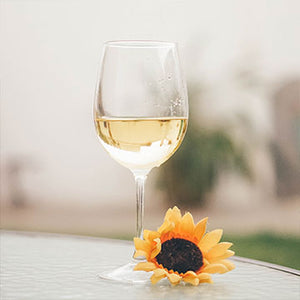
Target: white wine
<point>141,143</point>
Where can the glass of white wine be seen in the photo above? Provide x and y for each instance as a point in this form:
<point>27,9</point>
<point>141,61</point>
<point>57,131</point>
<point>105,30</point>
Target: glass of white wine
<point>140,114</point>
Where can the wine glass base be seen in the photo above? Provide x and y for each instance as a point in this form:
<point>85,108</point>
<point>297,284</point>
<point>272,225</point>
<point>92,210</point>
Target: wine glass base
<point>126,274</point>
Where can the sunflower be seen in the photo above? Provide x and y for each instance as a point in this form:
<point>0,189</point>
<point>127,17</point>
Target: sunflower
<point>181,251</point>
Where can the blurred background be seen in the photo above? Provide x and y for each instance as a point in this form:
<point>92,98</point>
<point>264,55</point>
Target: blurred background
<point>239,163</point>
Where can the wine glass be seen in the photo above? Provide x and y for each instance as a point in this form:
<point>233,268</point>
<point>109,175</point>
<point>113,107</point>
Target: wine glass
<point>140,114</point>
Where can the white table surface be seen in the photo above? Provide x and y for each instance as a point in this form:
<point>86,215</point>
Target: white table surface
<point>49,266</point>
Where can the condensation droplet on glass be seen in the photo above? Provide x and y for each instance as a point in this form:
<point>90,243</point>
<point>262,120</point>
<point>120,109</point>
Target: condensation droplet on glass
<point>169,76</point>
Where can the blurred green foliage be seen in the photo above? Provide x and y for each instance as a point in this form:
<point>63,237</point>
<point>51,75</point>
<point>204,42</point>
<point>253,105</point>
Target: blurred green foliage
<point>278,249</point>
<point>193,170</point>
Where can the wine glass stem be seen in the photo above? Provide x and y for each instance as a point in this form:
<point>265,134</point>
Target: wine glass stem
<point>140,191</point>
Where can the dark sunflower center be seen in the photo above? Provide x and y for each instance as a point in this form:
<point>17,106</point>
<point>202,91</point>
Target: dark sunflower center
<point>180,255</point>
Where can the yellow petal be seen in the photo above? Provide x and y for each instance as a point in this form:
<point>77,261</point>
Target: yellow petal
<point>203,276</point>
<point>159,272</point>
<point>190,274</point>
<point>206,280</point>
<point>191,277</point>
<point>140,253</point>
<point>200,228</point>
<point>141,244</point>
<point>210,239</point>
<point>218,249</point>
<point>146,233</point>
<point>145,266</point>
<point>154,279</point>
<point>187,224</point>
<point>166,227</point>
<point>191,280</point>
<point>150,235</point>
<point>215,268</point>
<point>205,261</point>
<point>174,278</point>
<point>173,215</point>
<point>157,248</point>
<point>227,254</point>
<point>168,214</point>
<point>228,264</point>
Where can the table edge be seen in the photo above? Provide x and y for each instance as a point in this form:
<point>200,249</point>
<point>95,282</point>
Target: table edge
<point>266,264</point>
<point>95,239</point>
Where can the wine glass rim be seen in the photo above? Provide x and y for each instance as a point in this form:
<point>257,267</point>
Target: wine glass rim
<point>140,44</point>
